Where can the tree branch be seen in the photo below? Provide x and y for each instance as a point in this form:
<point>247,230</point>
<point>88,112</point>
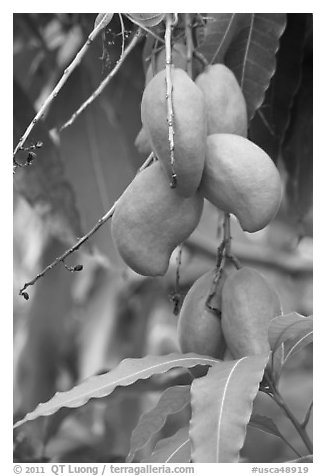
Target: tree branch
<point>105,82</point>
<point>81,241</point>
<point>67,72</point>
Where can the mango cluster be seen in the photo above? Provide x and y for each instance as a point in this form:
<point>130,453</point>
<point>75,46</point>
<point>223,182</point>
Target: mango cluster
<point>232,325</point>
<point>213,159</point>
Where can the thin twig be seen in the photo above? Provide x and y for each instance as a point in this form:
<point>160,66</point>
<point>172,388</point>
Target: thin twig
<point>177,273</point>
<point>276,396</point>
<point>266,123</point>
<point>253,255</point>
<point>169,89</point>
<point>227,233</point>
<point>176,297</point>
<point>189,42</point>
<point>67,72</point>
<point>122,34</point>
<point>223,251</point>
<point>104,83</point>
<point>201,58</point>
<point>307,417</point>
<point>82,240</point>
<point>227,239</point>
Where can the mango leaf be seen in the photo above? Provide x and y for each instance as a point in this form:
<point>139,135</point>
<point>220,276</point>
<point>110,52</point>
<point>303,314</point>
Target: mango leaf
<point>263,423</point>
<point>269,125</point>
<point>297,152</point>
<point>266,424</point>
<point>221,405</point>
<point>288,334</point>
<point>219,32</point>
<point>277,363</point>
<point>146,19</point>
<point>173,400</point>
<point>251,54</point>
<point>294,330</point>
<point>44,184</point>
<point>103,19</point>
<point>175,449</point>
<point>303,459</point>
<point>126,373</point>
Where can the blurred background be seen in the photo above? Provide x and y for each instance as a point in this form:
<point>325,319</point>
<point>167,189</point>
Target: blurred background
<point>75,325</point>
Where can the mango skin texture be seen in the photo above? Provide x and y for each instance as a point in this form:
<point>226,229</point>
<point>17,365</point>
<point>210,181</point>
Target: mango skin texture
<point>240,178</point>
<point>199,328</point>
<point>151,219</point>
<point>225,104</point>
<point>190,128</point>
<point>142,143</point>
<point>248,305</point>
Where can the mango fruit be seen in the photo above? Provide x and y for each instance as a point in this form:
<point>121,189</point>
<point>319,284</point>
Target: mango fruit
<point>248,305</point>
<point>225,104</point>
<point>151,219</point>
<point>199,327</point>
<point>240,178</point>
<point>142,142</point>
<point>227,355</point>
<point>189,128</point>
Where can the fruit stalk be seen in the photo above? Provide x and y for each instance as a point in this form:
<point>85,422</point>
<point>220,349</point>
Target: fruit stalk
<point>169,89</point>
<point>223,251</point>
<point>189,43</point>
<point>227,233</point>
<point>176,295</point>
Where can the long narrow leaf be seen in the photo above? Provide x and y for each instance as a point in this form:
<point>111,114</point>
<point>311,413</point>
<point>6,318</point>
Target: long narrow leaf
<point>266,424</point>
<point>219,32</point>
<point>288,334</point>
<point>126,373</point>
<point>221,407</point>
<point>251,54</point>
<point>268,128</point>
<point>175,449</point>
<point>173,400</point>
<point>277,363</point>
<point>292,329</point>
<point>104,19</point>
<point>303,459</point>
